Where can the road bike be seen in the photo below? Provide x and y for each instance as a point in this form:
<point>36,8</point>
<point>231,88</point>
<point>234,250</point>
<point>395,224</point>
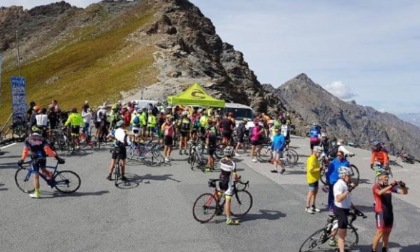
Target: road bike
<point>207,205</point>
<point>317,240</point>
<point>117,166</point>
<point>64,181</point>
<point>195,157</point>
<point>148,153</point>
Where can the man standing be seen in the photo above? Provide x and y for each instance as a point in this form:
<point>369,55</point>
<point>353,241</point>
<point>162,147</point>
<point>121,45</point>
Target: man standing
<point>313,174</point>
<point>277,147</point>
<point>332,176</point>
<point>382,193</point>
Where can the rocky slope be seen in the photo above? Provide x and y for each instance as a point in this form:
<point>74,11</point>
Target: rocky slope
<point>182,42</point>
<point>354,123</point>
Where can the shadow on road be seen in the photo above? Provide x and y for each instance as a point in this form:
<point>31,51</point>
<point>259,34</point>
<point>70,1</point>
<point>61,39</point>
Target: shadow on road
<point>75,194</point>
<point>263,215</point>
<point>391,245</point>
<point>3,189</point>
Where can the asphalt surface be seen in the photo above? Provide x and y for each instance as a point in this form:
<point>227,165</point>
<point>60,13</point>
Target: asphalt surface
<point>153,210</point>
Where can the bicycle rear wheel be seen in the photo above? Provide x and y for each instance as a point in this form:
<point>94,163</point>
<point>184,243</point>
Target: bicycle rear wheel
<point>67,181</point>
<point>23,181</point>
<point>204,207</point>
<point>241,203</point>
<point>265,154</point>
<point>314,240</point>
<point>294,155</point>
<point>117,172</point>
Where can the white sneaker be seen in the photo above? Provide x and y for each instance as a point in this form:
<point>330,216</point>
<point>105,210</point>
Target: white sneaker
<point>34,195</point>
<point>254,160</point>
<point>309,210</point>
<point>167,160</point>
<point>237,155</point>
<point>316,210</point>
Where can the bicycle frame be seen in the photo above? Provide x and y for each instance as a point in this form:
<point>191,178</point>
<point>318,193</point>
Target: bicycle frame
<point>51,182</point>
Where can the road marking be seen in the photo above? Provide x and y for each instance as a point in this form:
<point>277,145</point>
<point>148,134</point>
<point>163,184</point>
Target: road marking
<point>4,147</point>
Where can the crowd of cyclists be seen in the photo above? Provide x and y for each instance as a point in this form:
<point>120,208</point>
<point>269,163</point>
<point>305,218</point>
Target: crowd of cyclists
<point>126,123</point>
<point>332,156</point>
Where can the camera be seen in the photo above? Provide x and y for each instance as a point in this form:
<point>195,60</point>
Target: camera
<point>401,184</point>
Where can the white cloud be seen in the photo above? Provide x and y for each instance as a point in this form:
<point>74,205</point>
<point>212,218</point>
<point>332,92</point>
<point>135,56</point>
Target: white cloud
<point>340,90</point>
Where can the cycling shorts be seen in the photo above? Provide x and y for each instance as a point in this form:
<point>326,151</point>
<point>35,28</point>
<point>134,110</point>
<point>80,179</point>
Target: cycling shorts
<point>227,188</point>
<point>168,140</point>
<point>342,216</point>
<point>184,133</point>
<point>384,222</point>
<point>120,152</point>
<point>256,143</point>
<point>75,130</point>
<point>227,134</point>
<point>313,186</point>
<point>40,163</point>
<point>277,154</point>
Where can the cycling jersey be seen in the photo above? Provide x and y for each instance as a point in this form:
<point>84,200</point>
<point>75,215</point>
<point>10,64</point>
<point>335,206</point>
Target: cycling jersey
<point>313,172</point>
<point>75,119</point>
<point>227,167</point>
<point>380,156</point>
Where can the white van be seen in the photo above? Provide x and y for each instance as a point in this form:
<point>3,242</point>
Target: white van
<point>241,112</point>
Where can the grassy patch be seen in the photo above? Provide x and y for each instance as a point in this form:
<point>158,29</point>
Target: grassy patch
<point>97,67</point>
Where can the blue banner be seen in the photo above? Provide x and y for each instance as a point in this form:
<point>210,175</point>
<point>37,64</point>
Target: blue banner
<point>18,98</point>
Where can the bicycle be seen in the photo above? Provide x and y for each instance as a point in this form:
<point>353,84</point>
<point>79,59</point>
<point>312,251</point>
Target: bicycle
<point>117,167</point>
<point>321,236</point>
<point>207,205</point>
<point>195,156</point>
<point>149,153</point>
<point>65,181</point>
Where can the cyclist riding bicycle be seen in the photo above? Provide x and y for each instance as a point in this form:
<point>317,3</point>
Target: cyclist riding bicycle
<point>38,149</point>
<point>227,177</point>
<point>121,141</point>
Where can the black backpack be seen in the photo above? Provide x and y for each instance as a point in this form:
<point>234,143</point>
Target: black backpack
<point>334,150</point>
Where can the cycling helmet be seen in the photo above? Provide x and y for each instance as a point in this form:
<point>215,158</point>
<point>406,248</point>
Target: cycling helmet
<point>315,124</point>
<point>317,149</point>
<point>35,129</point>
<point>261,124</point>
<point>270,121</point>
<point>323,134</point>
<point>37,108</point>
<point>119,123</point>
<point>383,172</point>
<point>184,113</point>
<point>344,171</point>
<point>228,151</point>
<point>339,142</point>
<point>376,144</point>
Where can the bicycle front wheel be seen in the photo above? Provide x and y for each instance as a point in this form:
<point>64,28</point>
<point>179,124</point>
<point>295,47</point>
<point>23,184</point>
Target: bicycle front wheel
<point>241,203</point>
<point>117,172</point>
<point>204,207</point>
<point>352,238</point>
<point>314,240</point>
<point>67,181</point>
<point>23,181</point>
<point>356,176</point>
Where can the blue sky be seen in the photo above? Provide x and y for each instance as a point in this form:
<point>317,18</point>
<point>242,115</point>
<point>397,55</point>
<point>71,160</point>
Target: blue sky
<point>365,50</point>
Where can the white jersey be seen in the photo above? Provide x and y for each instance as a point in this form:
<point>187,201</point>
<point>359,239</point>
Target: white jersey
<point>340,187</point>
<point>41,120</point>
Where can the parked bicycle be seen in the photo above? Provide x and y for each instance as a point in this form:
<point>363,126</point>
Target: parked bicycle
<point>317,240</point>
<point>195,157</point>
<point>64,181</point>
<point>207,205</point>
<point>148,153</point>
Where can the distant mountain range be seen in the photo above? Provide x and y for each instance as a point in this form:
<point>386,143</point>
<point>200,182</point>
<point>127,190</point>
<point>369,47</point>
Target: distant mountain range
<point>413,118</point>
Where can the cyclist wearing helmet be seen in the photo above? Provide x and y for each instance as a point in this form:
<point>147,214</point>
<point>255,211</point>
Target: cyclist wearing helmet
<point>332,176</point>
<point>277,147</point>
<point>211,142</point>
<point>38,149</point>
<point>121,141</point>
<point>314,134</point>
<point>382,194</point>
<point>256,140</point>
<point>227,177</point>
<point>75,120</point>
<point>313,174</point>
<point>184,127</point>
<point>379,155</point>
<point>342,203</point>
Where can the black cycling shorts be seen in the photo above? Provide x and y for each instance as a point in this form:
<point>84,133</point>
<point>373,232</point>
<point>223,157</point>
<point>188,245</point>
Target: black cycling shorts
<point>168,140</point>
<point>342,216</point>
<point>121,152</point>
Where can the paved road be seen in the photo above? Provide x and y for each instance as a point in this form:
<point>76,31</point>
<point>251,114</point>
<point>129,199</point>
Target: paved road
<point>153,211</point>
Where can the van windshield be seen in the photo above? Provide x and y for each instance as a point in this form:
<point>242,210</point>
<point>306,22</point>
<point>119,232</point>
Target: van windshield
<point>240,113</point>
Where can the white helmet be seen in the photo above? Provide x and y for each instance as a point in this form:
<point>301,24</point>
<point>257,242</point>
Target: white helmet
<point>318,149</point>
<point>344,171</point>
<point>339,141</point>
<point>323,134</point>
<point>184,113</point>
<point>228,151</point>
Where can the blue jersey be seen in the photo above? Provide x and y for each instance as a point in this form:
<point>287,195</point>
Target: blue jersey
<point>314,132</point>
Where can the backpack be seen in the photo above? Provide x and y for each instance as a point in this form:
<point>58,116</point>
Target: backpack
<point>136,120</point>
<point>334,150</point>
<point>185,125</point>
